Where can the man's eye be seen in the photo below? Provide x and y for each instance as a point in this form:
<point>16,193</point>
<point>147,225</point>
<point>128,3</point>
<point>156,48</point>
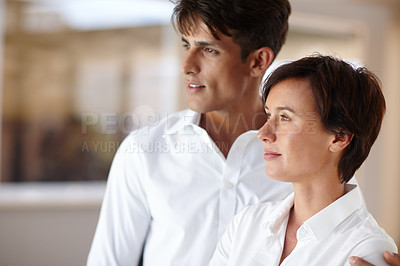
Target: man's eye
<point>268,116</point>
<point>210,51</point>
<point>186,46</point>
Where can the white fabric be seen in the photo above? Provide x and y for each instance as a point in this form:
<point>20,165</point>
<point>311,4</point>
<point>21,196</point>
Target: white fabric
<point>171,187</point>
<point>342,229</point>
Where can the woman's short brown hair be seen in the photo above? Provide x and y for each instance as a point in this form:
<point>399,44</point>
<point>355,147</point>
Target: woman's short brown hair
<point>348,100</point>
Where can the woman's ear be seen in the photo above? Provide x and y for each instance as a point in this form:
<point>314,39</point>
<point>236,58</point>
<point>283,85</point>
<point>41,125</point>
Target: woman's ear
<point>261,59</point>
<point>340,141</point>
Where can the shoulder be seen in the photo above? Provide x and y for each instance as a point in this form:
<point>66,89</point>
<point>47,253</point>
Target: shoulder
<point>366,239</point>
<point>362,223</point>
<point>371,248</point>
<point>372,231</point>
<point>155,132</point>
<point>167,124</point>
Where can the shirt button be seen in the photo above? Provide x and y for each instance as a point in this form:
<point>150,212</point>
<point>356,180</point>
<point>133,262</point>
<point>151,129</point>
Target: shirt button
<point>228,185</point>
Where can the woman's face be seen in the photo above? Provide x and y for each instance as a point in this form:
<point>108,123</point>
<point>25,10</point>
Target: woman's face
<point>296,145</point>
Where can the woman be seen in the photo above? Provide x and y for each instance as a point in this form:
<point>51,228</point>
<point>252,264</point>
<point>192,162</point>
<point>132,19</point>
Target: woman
<point>322,118</point>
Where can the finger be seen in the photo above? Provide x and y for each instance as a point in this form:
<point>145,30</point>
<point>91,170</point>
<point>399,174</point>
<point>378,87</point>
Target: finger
<point>392,259</point>
<point>356,261</point>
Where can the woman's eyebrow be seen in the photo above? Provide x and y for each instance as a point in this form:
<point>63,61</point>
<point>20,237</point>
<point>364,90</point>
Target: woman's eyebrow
<point>286,108</point>
<point>281,108</point>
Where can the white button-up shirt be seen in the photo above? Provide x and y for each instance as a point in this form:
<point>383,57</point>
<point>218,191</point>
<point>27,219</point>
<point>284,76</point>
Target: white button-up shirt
<point>344,228</point>
<point>172,190</point>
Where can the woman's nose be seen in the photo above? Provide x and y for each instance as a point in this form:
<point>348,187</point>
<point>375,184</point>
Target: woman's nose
<point>267,131</point>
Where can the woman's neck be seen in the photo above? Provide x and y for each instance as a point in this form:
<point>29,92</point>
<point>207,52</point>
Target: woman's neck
<point>309,199</point>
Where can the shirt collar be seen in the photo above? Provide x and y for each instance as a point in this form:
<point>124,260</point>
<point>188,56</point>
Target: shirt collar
<point>186,122</point>
<point>275,219</point>
<point>326,220</point>
<point>323,222</point>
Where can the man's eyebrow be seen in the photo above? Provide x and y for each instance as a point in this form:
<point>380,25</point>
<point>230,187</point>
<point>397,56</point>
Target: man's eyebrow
<point>201,43</point>
<point>184,40</point>
<point>206,43</point>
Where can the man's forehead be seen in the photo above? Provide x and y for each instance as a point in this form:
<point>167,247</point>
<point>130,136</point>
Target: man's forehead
<point>198,28</point>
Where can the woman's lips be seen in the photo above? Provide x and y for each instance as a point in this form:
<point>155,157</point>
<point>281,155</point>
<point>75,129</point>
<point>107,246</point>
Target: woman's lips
<point>270,155</point>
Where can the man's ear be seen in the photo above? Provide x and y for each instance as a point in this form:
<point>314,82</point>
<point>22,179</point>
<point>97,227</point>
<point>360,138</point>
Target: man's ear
<point>261,59</point>
<point>340,141</point>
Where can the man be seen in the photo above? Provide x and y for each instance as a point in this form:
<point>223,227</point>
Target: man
<point>174,186</point>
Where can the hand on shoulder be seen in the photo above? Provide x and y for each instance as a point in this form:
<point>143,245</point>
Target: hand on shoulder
<point>391,258</point>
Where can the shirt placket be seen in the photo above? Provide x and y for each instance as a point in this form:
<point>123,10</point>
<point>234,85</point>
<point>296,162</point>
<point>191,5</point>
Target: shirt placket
<point>228,192</point>
<point>303,235</point>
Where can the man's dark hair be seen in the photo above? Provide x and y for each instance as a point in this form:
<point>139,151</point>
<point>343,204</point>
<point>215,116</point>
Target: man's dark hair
<point>348,101</point>
<point>252,24</point>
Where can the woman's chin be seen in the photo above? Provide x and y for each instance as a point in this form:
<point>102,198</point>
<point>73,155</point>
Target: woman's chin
<point>278,176</point>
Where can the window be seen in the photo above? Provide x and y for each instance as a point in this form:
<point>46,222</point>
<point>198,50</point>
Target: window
<point>77,77</point>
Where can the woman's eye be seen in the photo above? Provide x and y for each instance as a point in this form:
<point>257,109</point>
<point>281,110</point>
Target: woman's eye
<point>268,116</point>
<point>186,46</point>
<point>285,118</point>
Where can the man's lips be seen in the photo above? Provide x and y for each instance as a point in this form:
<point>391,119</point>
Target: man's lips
<point>270,155</point>
<point>193,87</point>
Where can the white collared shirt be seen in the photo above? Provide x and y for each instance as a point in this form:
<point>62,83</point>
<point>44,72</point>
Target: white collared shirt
<point>342,229</point>
<point>169,186</point>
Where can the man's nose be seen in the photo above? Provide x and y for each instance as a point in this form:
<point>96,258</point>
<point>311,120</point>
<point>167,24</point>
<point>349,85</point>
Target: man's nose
<point>190,63</point>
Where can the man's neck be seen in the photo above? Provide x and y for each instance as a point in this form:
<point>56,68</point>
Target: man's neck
<point>225,127</point>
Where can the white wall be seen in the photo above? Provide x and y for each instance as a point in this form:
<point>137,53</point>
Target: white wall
<point>390,153</point>
<point>48,225</point>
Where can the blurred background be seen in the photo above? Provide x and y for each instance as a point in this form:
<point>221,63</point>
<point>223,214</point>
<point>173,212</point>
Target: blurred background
<point>77,75</point>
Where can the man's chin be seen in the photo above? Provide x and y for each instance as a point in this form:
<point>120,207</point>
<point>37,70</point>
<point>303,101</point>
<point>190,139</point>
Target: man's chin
<point>199,108</point>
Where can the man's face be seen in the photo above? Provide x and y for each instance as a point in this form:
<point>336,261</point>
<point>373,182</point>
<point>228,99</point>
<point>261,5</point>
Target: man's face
<point>215,77</point>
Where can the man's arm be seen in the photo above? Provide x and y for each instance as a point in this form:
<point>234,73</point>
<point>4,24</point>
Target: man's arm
<point>391,258</point>
<point>124,218</point>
